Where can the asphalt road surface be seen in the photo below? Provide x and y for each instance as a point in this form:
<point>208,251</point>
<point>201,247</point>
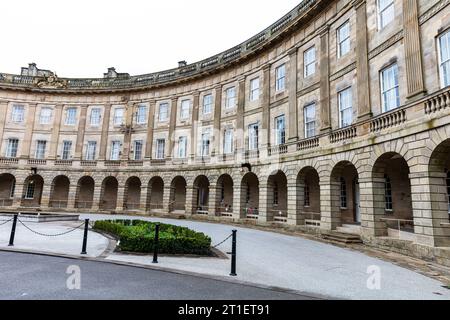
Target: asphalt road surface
<point>31,277</point>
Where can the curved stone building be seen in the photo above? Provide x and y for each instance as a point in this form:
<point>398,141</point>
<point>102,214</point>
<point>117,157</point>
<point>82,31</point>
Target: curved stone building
<point>336,117</point>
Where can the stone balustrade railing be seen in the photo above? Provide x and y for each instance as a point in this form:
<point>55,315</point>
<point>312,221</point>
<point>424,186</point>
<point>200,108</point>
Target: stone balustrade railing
<point>438,102</point>
<point>393,118</point>
<point>308,144</point>
<point>275,150</point>
<point>37,161</point>
<point>9,160</point>
<point>264,38</point>
<point>343,134</point>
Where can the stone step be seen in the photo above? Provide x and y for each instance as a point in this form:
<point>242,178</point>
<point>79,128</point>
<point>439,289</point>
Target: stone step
<point>342,237</point>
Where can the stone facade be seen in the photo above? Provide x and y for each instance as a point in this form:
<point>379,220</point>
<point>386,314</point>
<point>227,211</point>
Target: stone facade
<point>161,140</point>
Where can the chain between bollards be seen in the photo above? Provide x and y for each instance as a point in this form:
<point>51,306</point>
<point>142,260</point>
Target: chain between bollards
<point>156,244</point>
<point>233,254</point>
<point>13,231</point>
<point>86,229</point>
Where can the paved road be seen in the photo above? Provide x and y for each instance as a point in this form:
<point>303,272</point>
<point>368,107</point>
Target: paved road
<point>25,276</point>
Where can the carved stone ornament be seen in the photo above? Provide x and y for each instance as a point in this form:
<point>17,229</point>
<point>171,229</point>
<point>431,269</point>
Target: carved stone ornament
<point>51,82</point>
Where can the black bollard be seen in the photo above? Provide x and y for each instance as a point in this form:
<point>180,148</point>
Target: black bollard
<point>13,231</point>
<point>233,255</point>
<point>156,244</point>
<point>86,229</point>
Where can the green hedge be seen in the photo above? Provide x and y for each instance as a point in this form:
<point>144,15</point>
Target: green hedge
<point>138,236</point>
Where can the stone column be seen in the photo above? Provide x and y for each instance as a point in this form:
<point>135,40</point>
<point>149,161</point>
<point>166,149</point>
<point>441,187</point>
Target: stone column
<point>264,215</point>
<point>212,198</point>
<point>194,122</point>
<point>80,135</point>
<point>72,195</point>
<point>329,216</point>
<point>430,208</point>
<point>172,126</point>
<point>143,198</point>
<point>46,193</point>
<point>325,114</point>
<point>238,211</point>
<point>293,110</point>
<point>105,130</point>
<point>128,131</point>
<point>96,200</point>
<point>189,200</point>
<point>120,198</point>
<point>4,108</point>
<point>362,61</point>
<point>29,128</point>
<point>371,206</point>
<point>151,123</point>
<point>217,117</point>
<point>19,192</point>
<point>166,198</point>
<point>54,141</point>
<point>240,131</point>
<point>295,217</point>
<point>413,50</point>
<point>265,104</point>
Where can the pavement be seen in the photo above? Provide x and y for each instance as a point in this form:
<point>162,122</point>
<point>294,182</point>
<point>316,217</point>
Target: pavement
<point>265,259</point>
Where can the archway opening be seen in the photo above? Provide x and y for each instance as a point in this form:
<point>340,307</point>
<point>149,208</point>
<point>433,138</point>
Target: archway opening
<point>177,202</point>
<point>277,197</point>
<point>345,194</point>
<point>308,196</point>
<point>250,196</point>
<point>392,194</point>
<point>7,189</point>
<point>224,196</point>
<point>155,199</point>
<point>32,192</point>
<point>108,197</point>
<point>132,194</point>
<point>201,195</point>
<point>85,193</point>
<point>59,194</point>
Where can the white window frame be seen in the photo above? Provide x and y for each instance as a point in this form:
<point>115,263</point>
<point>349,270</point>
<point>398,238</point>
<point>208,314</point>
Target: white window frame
<point>280,132</point>
<point>18,114</point>
<point>164,106</point>
<point>66,150</point>
<point>182,147</point>
<point>45,118</point>
<point>280,76</point>
<point>344,108</point>
<point>138,147</point>
<point>228,141</point>
<point>207,103</point>
<point>71,116</point>
<point>254,89</point>
<point>381,11</point>
<point>119,120</point>
<point>345,41</point>
<point>160,149</point>
<point>41,146</point>
<point>230,99</point>
<point>395,87</point>
<point>12,148</point>
<point>205,143</point>
<point>253,136</point>
<point>31,189</point>
<point>91,150</point>
<point>141,114</point>
<point>185,109</point>
<point>306,122</point>
<point>444,64</point>
<point>115,150</point>
<point>309,65</point>
<point>95,120</point>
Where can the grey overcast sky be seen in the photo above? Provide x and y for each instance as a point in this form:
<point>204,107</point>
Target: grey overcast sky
<point>83,38</point>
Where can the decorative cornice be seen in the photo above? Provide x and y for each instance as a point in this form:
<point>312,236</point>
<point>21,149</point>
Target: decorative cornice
<point>391,41</point>
<point>343,71</point>
<point>433,11</point>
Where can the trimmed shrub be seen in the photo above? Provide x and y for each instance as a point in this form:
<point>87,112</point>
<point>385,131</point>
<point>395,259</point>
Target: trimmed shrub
<point>138,236</point>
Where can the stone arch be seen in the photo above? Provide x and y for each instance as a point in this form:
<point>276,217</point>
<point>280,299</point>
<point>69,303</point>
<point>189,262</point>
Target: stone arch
<point>224,195</point>
<point>177,201</point>
<point>249,195</point>
<point>308,195</point>
<point>277,196</point>
<point>32,191</point>
<point>392,192</point>
<point>155,194</point>
<point>201,195</point>
<point>132,194</point>
<point>345,196</point>
<point>85,193</point>
<point>7,189</point>
<point>59,192</point>
<point>108,194</point>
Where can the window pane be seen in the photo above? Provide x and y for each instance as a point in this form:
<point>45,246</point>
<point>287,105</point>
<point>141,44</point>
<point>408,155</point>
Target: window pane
<point>310,120</point>
<point>95,117</point>
<point>390,88</point>
<point>207,104</point>
<point>345,107</point>
<point>444,44</point>
<point>71,116</point>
